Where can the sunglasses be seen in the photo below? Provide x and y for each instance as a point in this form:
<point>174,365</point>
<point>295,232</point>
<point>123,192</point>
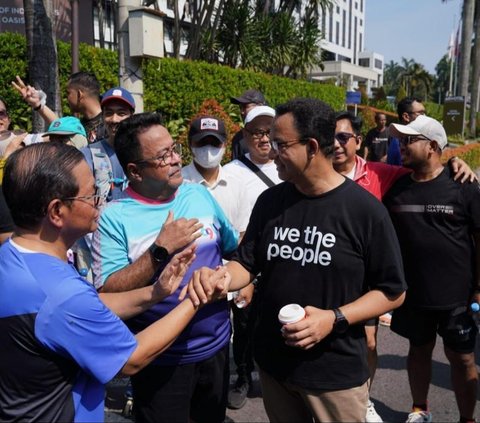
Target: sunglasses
<point>343,137</point>
<point>3,114</point>
<point>410,139</point>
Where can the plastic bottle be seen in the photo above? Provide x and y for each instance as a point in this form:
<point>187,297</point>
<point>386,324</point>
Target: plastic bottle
<point>239,304</point>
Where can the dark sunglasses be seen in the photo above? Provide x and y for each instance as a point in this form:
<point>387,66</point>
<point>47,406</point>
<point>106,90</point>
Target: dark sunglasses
<point>343,137</point>
<point>410,139</point>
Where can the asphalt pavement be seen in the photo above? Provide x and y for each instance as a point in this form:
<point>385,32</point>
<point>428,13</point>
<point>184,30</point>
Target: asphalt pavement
<point>390,391</point>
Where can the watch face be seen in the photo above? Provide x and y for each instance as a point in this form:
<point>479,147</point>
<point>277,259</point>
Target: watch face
<point>341,326</point>
<point>160,254</point>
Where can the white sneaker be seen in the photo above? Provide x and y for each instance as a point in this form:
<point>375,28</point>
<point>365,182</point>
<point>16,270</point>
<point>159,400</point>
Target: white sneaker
<point>372,415</point>
<point>419,416</point>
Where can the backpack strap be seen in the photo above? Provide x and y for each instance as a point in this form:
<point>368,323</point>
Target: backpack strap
<point>255,169</point>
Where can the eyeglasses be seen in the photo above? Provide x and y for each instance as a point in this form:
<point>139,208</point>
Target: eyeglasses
<point>259,134</point>
<point>343,137</point>
<point>281,146</point>
<point>97,199</point>
<point>164,158</point>
<point>410,139</point>
<point>3,114</point>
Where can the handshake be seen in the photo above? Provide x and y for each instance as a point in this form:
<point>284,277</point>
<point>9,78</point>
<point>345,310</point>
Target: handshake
<point>207,285</point>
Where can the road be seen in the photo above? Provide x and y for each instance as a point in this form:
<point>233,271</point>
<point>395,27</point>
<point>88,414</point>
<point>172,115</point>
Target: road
<point>390,391</point>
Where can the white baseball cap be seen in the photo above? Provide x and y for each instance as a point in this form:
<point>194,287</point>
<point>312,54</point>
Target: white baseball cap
<point>259,111</point>
<point>422,125</point>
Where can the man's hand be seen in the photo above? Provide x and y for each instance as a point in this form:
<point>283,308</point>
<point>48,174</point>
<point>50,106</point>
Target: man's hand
<point>30,95</point>
<point>170,278</point>
<point>245,294</point>
<point>207,285</point>
<point>309,331</point>
<point>176,234</point>
<point>462,171</point>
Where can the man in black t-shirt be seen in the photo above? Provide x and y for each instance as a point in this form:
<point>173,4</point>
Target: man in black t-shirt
<point>313,240</point>
<point>437,221</point>
<point>376,141</point>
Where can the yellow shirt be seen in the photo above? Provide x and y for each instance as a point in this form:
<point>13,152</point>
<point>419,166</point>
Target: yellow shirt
<point>2,165</point>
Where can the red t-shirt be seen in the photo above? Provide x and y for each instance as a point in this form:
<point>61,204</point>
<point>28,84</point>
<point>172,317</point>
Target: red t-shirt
<point>377,178</point>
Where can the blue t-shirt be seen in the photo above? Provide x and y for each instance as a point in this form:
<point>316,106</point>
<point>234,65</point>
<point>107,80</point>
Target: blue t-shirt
<point>130,225</point>
<point>394,156</point>
<point>60,343</point>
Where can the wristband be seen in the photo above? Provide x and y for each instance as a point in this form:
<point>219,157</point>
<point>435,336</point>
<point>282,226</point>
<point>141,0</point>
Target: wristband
<point>43,100</point>
<point>451,159</point>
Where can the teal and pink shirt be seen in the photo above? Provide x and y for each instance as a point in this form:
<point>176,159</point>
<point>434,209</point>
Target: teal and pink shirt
<point>128,226</point>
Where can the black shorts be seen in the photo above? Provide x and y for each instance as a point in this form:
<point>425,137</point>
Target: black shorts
<point>456,327</point>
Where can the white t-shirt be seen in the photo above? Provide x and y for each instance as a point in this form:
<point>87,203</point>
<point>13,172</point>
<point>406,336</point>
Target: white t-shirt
<point>228,190</point>
<point>254,185</point>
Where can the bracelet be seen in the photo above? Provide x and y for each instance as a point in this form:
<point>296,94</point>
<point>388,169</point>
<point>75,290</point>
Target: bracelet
<point>451,159</point>
<point>38,107</point>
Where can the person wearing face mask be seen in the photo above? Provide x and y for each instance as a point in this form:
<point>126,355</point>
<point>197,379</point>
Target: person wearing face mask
<point>206,138</point>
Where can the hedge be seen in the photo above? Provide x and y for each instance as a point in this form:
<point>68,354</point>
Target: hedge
<point>176,88</point>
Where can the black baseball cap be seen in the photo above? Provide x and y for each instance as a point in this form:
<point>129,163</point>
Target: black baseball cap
<point>205,126</point>
<point>249,96</point>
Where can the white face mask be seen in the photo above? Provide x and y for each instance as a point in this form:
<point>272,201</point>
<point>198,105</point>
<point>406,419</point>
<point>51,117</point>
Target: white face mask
<point>208,156</point>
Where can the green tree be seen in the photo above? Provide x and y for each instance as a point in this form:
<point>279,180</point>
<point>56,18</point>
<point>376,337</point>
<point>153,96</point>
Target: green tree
<point>43,67</point>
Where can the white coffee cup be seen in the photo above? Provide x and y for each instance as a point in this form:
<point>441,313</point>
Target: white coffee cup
<point>291,313</point>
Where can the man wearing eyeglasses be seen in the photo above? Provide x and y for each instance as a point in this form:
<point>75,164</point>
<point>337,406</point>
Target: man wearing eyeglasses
<point>61,341</point>
<point>257,171</point>
<point>377,179</point>
<point>311,238</point>
<point>136,238</point>
<point>438,225</point>
<point>408,109</point>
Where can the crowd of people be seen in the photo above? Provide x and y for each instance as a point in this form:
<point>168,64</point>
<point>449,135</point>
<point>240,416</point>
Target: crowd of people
<point>119,259</point>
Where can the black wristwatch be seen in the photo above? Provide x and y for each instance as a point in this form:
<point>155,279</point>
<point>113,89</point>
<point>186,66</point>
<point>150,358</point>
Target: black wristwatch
<point>159,254</point>
<point>340,325</point>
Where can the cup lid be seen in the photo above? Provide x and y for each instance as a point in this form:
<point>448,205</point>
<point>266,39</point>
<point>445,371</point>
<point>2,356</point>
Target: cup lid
<point>291,313</point>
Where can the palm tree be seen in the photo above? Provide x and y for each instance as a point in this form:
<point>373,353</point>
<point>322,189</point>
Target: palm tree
<point>43,68</point>
<point>466,46</point>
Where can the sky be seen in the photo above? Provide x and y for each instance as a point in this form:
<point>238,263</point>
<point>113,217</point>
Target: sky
<point>414,29</point>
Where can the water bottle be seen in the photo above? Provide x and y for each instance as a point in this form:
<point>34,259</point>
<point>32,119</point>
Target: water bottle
<point>239,304</point>
<point>475,308</point>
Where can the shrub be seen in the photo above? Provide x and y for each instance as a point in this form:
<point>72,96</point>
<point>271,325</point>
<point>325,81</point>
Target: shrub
<point>176,88</point>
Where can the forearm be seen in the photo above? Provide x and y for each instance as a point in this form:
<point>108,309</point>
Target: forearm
<point>374,303</point>
<point>133,276</point>
<point>241,277</point>
<point>47,114</point>
<point>157,337</point>
<point>128,304</point>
